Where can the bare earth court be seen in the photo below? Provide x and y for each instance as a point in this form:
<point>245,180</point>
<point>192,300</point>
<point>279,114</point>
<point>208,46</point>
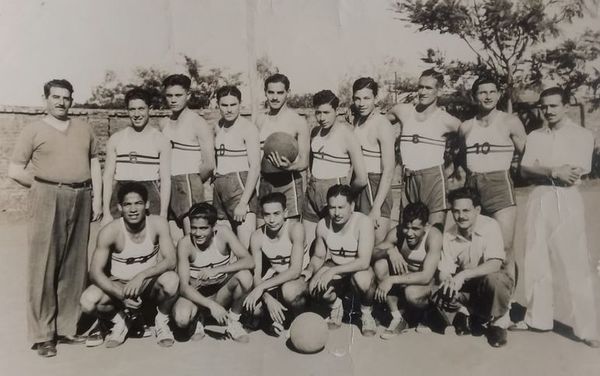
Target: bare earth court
<point>347,352</point>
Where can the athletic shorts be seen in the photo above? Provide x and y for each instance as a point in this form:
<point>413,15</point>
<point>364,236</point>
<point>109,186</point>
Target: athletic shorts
<point>315,204</point>
<point>147,285</point>
<point>186,190</point>
<point>153,188</point>
<point>364,202</point>
<point>228,189</point>
<point>495,188</point>
<point>290,184</point>
<point>210,289</point>
<point>427,186</point>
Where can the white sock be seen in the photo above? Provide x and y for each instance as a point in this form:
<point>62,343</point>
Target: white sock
<point>366,309</point>
<point>336,303</point>
<point>234,316</point>
<point>119,317</point>
<point>160,317</point>
<point>503,321</point>
<point>464,310</point>
<point>396,314</point>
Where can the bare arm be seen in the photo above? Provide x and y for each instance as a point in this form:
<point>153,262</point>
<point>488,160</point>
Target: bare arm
<point>165,175</point>
<point>18,173</point>
<point>381,250</point>
<point>356,158</point>
<point>206,139</point>
<point>168,259</point>
<point>433,247</point>
<point>256,250</point>
<point>320,251</point>
<point>517,133</point>
<point>100,259</point>
<point>96,173</point>
<point>253,149</point>
<point>366,241</point>
<point>183,270</point>
<point>452,124</point>
<point>244,259</point>
<point>385,138</point>
<point>301,162</point>
<point>293,272</point>
<point>109,173</point>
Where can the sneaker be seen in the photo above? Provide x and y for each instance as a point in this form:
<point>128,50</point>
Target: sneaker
<point>422,328</point>
<point>96,336</point>
<point>518,326</point>
<point>336,315</point>
<point>46,349</point>
<point>397,326</point>
<point>164,335</point>
<point>71,339</point>
<point>496,336</point>
<point>118,333</point>
<point>236,332</point>
<point>593,343</point>
<point>199,332</point>
<point>369,325</point>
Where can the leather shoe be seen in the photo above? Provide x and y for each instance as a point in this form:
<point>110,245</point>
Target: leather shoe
<point>593,343</point>
<point>72,340</point>
<point>496,336</point>
<point>461,324</point>
<point>46,349</point>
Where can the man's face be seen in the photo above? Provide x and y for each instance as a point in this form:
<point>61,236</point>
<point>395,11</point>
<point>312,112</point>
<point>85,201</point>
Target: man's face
<point>177,98</point>
<point>58,102</point>
<point>427,92</point>
<point>139,113</point>
<point>201,231</point>
<point>273,215</point>
<point>413,232</point>
<point>340,209</point>
<point>364,101</point>
<point>276,95</point>
<point>464,213</point>
<point>487,96</point>
<point>552,108</point>
<point>133,208</point>
<point>325,115</point>
<point>229,107</point>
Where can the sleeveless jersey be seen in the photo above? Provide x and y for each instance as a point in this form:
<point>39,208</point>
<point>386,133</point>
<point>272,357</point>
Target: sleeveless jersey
<point>134,258</point>
<point>230,149</point>
<point>422,143</point>
<point>211,257</point>
<point>185,154</point>
<point>270,125</point>
<point>489,148</point>
<point>329,159</point>
<point>279,251</point>
<point>371,150</point>
<point>343,245</point>
<point>415,257</point>
<point>138,158</point>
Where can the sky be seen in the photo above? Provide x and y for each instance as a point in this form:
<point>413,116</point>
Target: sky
<point>315,42</point>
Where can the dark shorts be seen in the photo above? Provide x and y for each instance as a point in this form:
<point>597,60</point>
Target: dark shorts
<point>427,186</point>
<point>495,188</point>
<point>147,285</point>
<point>186,190</point>
<point>364,202</point>
<point>210,289</point>
<point>153,188</point>
<point>315,204</point>
<point>290,184</point>
<point>228,189</point>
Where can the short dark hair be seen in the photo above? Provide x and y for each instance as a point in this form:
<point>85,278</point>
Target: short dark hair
<point>132,187</point>
<point>464,193</point>
<point>326,97</point>
<point>435,75</point>
<point>138,93</point>
<point>415,210</point>
<point>203,210</point>
<point>365,83</point>
<point>555,90</point>
<point>482,81</point>
<point>178,80</point>
<point>226,90</point>
<point>340,190</point>
<point>274,197</point>
<point>62,83</point>
<point>278,77</point>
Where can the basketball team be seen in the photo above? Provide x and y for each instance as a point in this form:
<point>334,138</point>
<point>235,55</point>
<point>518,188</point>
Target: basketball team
<point>300,218</point>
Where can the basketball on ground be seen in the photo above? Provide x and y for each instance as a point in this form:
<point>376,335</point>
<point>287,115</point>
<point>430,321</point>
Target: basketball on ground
<point>308,333</point>
<point>282,143</point>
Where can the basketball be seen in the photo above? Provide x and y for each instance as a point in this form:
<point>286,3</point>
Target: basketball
<point>282,143</point>
<point>308,333</point>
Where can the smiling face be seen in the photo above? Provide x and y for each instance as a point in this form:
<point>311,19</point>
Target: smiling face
<point>201,232</point>
<point>58,102</point>
<point>487,96</point>
<point>276,95</point>
<point>177,98</point>
<point>364,101</point>
<point>229,106</point>
<point>427,91</point>
<point>133,208</point>
<point>464,213</point>
<point>413,232</point>
<point>139,113</point>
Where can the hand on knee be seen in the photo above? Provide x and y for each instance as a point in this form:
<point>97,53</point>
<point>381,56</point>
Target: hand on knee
<point>169,283</point>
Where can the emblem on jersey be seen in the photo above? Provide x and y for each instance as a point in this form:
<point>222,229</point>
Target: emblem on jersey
<point>221,150</point>
<point>133,157</point>
<point>482,148</point>
<point>415,138</point>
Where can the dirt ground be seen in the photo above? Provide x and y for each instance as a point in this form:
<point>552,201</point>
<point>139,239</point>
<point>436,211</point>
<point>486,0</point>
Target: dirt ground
<point>347,352</point>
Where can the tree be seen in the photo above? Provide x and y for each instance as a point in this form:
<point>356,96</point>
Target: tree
<point>206,83</point>
<point>499,32</point>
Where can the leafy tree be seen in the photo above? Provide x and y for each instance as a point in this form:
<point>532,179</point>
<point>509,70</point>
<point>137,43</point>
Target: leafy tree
<point>206,82</point>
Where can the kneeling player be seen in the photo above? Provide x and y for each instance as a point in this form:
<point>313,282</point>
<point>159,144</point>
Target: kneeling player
<point>142,260</point>
<point>210,279</point>
<point>348,237</point>
<point>282,242</point>
<point>407,261</point>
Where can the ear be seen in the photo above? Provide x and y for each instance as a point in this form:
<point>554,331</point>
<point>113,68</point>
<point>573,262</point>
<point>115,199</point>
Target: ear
<point>478,210</point>
<point>352,205</point>
<point>120,208</point>
<point>147,206</point>
<point>285,212</point>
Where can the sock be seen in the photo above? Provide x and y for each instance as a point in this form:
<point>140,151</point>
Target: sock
<point>336,303</point>
<point>396,314</point>
<point>503,321</point>
<point>366,309</point>
<point>234,316</point>
<point>161,317</point>
<point>464,310</point>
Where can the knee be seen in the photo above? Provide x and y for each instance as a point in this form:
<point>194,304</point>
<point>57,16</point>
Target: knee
<point>182,316</point>
<point>168,283</point>
<point>363,280</point>
<point>88,301</point>
<point>416,296</point>
<point>381,269</point>
<point>291,292</point>
<point>498,283</point>
<point>244,279</point>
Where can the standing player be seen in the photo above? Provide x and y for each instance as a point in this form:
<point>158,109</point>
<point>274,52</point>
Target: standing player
<point>280,118</point>
<point>192,149</point>
<point>376,136</point>
<point>282,243</point>
<point>210,278</point>
<point>556,156</point>
<point>138,252</point>
<point>335,159</point>
<point>491,139</point>
<point>407,261</point>
<point>238,166</point>
<point>62,153</point>
<point>137,153</point>
<point>342,257</point>
<point>424,129</point>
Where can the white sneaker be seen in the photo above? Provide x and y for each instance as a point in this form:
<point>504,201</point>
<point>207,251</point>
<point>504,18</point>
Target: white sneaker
<point>199,332</point>
<point>422,328</point>
<point>369,325</point>
<point>118,333</point>
<point>96,335</point>
<point>164,336</point>
<point>397,325</point>
<point>236,332</point>
<point>336,315</point>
